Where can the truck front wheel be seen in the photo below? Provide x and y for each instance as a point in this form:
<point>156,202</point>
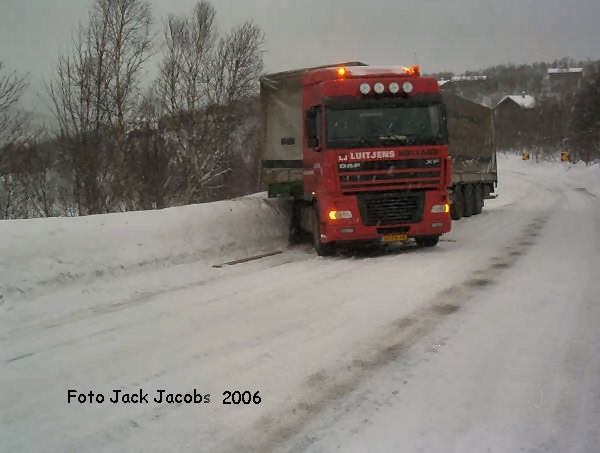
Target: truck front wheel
<point>428,241</point>
<point>320,248</point>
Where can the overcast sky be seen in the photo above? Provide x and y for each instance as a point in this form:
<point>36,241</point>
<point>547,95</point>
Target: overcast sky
<point>454,35</point>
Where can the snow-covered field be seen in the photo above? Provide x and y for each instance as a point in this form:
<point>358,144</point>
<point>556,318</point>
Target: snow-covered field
<point>488,342</point>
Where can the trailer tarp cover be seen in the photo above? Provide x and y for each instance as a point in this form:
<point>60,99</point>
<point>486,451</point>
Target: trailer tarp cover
<point>281,121</point>
<point>471,143</point>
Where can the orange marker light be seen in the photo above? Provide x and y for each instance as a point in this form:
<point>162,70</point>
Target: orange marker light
<point>341,72</point>
<point>413,70</point>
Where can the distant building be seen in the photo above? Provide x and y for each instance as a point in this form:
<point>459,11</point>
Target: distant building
<point>523,101</point>
<point>562,82</point>
<point>470,87</point>
<point>514,118</point>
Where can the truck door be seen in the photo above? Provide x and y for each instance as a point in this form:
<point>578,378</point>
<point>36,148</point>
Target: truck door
<point>313,152</point>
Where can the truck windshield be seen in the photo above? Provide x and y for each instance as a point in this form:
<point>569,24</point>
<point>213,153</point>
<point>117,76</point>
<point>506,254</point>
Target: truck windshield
<point>388,125</point>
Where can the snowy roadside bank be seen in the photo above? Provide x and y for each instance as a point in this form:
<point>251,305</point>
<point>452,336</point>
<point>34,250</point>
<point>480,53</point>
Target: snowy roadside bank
<point>55,251</point>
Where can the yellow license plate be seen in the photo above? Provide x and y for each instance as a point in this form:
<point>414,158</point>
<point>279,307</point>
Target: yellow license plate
<point>394,237</point>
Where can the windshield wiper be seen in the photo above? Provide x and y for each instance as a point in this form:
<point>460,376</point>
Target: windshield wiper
<point>366,141</point>
<point>411,139</point>
<point>399,139</point>
<point>393,137</point>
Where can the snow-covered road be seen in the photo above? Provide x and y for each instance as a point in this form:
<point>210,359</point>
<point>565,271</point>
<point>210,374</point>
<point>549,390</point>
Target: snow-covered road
<point>488,342</point>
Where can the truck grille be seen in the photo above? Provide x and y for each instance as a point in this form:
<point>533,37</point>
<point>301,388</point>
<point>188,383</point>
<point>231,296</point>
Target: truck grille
<point>391,207</point>
<point>411,173</point>
<point>427,175</point>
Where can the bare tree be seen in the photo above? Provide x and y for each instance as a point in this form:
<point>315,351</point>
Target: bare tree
<point>184,70</point>
<point>95,93</point>
<point>13,133</point>
<point>129,46</point>
<point>146,139</point>
<point>201,77</point>
<point>169,84</point>
<point>82,109</point>
<point>237,65</point>
<point>12,86</point>
<point>182,84</point>
<point>585,121</point>
<point>33,177</point>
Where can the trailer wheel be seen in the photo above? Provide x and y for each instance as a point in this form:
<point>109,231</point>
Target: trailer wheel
<point>457,207</point>
<point>469,198</point>
<point>428,241</point>
<point>320,248</point>
<point>478,199</point>
<point>487,190</point>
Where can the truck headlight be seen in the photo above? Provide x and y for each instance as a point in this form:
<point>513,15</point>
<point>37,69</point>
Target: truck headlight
<point>394,87</point>
<point>365,88</point>
<point>407,87</point>
<point>336,215</point>
<point>440,208</point>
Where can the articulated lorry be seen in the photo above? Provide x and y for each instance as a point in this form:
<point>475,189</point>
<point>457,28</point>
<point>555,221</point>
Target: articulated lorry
<point>363,152</point>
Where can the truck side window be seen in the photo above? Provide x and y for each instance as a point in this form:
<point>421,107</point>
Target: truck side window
<point>319,124</point>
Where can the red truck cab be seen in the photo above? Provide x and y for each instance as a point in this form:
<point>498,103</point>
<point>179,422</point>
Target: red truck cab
<point>375,161</point>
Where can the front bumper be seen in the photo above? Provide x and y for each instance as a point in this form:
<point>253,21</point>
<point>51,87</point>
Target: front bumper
<point>385,218</point>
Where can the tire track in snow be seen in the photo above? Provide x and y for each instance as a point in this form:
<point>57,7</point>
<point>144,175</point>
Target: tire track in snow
<point>334,267</point>
<point>551,336</point>
<point>139,298</point>
<point>326,388</point>
<point>331,269</point>
<point>401,335</point>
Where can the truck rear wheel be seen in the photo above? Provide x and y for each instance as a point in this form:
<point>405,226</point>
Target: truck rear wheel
<point>320,248</point>
<point>487,190</point>
<point>469,198</point>
<point>478,199</point>
<point>428,241</point>
<point>458,204</point>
